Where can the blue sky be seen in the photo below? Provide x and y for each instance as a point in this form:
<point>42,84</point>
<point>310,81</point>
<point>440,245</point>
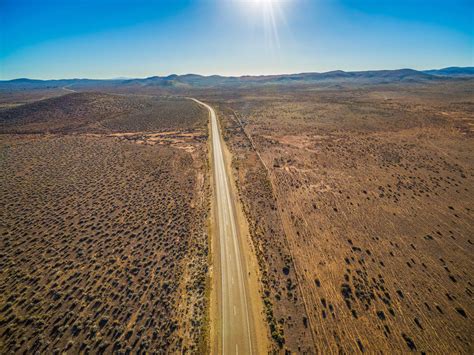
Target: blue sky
<point>107,39</point>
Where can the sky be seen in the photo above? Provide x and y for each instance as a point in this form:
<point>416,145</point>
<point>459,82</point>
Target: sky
<point>52,39</point>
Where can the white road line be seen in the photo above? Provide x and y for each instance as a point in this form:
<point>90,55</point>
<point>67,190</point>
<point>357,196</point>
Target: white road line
<point>233,294</point>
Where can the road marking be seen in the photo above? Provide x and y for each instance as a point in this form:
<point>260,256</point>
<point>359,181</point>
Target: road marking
<point>233,293</point>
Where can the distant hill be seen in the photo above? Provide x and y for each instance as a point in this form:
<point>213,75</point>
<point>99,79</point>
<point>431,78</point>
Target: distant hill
<point>452,71</point>
<point>365,77</point>
<point>199,81</point>
<point>26,84</point>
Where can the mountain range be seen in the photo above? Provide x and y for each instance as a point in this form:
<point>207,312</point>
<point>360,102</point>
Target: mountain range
<point>200,81</point>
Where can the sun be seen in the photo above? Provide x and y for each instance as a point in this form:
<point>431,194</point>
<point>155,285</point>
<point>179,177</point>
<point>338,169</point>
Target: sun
<point>264,3</point>
<point>270,14</point>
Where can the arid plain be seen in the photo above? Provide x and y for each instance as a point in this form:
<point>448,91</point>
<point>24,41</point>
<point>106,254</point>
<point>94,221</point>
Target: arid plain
<point>360,202</point>
<point>358,198</point>
<point>104,225</point>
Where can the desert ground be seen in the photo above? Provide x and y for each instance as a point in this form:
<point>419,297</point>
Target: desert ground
<point>104,243</point>
<point>360,202</point>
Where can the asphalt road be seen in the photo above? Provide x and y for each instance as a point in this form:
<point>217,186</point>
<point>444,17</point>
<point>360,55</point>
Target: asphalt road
<point>236,327</point>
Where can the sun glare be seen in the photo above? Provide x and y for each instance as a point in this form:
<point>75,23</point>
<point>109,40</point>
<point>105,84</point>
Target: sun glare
<point>270,14</point>
<point>263,1</point>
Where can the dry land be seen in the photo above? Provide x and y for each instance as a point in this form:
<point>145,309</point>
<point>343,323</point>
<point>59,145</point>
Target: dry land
<point>104,225</point>
<point>358,198</point>
<point>360,204</point>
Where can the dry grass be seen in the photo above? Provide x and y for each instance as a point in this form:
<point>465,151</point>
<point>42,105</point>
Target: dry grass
<point>361,209</point>
<point>101,113</point>
<point>104,241</point>
<point>13,98</point>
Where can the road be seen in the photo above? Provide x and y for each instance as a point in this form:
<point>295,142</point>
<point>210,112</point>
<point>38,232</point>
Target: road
<point>66,88</point>
<point>236,327</point>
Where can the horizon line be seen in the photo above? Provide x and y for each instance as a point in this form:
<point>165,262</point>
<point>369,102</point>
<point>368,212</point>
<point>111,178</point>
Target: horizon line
<point>117,78</point>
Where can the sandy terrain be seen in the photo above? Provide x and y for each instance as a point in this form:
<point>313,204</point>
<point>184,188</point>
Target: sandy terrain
<point>358,201</point>
<point>104,232</point>
<point>360,204</point>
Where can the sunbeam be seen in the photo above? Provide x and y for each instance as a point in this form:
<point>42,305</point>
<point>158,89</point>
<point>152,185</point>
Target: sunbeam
<point>271,15</point>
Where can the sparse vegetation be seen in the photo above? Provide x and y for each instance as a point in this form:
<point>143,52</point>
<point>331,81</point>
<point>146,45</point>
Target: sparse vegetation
<point>359,203</point>
<point>90,112</point>
<point>104,240</point>
<point>360,207</point>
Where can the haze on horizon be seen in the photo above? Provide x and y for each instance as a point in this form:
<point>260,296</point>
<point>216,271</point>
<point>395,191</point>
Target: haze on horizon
<point>108,39</point>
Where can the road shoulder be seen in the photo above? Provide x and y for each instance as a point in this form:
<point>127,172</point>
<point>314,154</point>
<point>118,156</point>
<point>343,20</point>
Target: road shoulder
<point>249,262</point>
